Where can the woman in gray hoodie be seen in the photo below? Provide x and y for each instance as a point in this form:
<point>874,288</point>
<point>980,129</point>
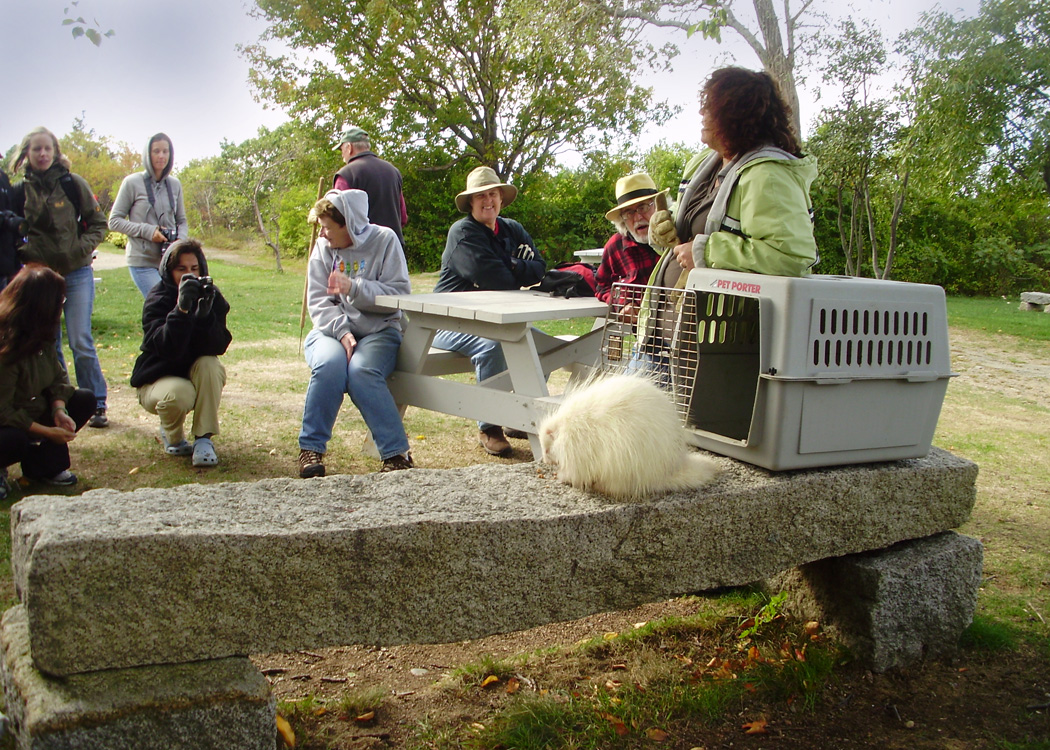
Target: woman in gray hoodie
<point>149,209</point>
<point>353,346</point>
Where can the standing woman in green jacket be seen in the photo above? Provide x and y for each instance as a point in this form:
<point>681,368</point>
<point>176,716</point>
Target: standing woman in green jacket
<point>747,205</point>
<point>40,412</point>
<point>64,226</point>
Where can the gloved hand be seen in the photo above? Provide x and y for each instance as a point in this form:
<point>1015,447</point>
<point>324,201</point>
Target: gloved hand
<point>524,252</point>
<point>662,231</point>
<point>189,292</point>
<point>205,302</point>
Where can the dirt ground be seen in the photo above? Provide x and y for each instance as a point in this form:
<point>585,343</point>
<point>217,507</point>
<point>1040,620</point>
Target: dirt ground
<point>975,700</point>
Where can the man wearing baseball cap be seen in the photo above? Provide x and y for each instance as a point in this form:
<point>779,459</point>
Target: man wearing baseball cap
<point>380,179</point>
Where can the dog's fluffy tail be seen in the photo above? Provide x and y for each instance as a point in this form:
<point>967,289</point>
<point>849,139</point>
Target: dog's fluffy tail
<point>696,471</point>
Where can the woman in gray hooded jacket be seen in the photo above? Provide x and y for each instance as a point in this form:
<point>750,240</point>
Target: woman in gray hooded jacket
<point>149,209</point>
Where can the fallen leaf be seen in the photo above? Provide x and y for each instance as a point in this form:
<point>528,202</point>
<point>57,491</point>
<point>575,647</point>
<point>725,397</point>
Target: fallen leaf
<point>285,730</point>
<point>477,726</point>
<point>366,716</point>
<point>756,727</point>
<point>640,625</point>
<point>419,671</point>
<point>618,666</point>
<point>657,735</point>
<point>749,687</point>
<point>489,680</point>
<point>613,684</point>
<point>135,470</point>
<point>320,711</point>
<point>812,627</point>
<point>610,636</point>
<point>618,726</point>
<point>513,684</point>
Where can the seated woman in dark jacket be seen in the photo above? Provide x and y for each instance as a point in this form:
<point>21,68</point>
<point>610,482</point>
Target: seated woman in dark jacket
<point>40,412</point>
<point>183,335</point>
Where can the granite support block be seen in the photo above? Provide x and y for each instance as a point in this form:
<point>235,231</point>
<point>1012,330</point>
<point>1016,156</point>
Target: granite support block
<point>114,580</point>
<point>896,606</point>
<point>213,705</point>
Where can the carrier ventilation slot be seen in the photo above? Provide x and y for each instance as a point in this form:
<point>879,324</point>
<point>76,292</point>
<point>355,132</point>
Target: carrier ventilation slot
<point>882,338</point>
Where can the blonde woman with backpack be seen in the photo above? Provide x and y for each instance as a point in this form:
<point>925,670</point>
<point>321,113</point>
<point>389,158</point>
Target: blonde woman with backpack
<point>64,225</point>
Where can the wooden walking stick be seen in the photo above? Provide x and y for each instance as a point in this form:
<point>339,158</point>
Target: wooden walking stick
<point>306,281</point>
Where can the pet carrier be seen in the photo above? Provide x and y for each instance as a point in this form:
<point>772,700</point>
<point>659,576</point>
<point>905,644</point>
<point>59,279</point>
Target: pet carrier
<point>788,373</point>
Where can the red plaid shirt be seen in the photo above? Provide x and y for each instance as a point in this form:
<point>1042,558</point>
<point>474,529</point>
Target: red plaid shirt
<point>624,261</point>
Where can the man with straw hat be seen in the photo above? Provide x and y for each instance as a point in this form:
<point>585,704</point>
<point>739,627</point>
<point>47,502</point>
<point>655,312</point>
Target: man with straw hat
<point>486,252</point>
<point>628,258</point>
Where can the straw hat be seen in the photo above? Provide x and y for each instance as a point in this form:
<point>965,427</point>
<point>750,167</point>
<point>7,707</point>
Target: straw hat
<point>632,189</point>
<point>479,180</point>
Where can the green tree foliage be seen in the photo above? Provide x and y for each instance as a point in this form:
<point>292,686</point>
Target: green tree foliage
<point>98,161</point>
<point>981,95</point>
<point>81,27</point>
<point>863,153</point>
<point>267,183</point>
<point>981,145</point>
<point>507,83</point>
<point>565,212</point>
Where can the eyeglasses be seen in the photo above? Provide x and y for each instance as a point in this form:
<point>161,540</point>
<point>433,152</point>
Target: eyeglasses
<point>639,210</point>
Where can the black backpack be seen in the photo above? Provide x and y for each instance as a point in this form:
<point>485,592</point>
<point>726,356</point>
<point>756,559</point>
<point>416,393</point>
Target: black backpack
<point>569,280</point>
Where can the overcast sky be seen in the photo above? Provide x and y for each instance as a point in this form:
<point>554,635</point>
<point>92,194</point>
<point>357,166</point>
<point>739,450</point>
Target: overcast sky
<point>173,67</point>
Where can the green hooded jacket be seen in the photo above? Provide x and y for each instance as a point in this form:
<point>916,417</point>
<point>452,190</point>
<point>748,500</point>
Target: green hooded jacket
<point>54,237</point>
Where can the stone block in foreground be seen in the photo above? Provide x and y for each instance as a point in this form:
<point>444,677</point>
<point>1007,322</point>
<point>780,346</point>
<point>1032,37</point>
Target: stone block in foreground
<point>213,705</point>
<point>113,579</point>
<point>895,606</point>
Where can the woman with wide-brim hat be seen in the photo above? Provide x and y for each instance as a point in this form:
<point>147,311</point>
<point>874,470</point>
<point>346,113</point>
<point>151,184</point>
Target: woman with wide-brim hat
<point>485,251</point>
<point>628,258</point>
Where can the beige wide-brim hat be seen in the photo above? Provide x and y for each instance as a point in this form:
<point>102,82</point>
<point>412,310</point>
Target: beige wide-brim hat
<point>635,188</point>
<point>481,179</point>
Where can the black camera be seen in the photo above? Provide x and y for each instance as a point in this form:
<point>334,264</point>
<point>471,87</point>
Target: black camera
<point>11,222</point>
<point>170,235</point>
<point>205,282</point>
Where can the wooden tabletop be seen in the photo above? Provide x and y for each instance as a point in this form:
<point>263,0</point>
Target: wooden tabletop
<point>511,306</point>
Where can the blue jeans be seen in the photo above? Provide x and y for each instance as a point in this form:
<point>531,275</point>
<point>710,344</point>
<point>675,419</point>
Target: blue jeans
<point>485,354</point>
<point>145,278</point>
<point>80,303</point>
<point>363,378</point>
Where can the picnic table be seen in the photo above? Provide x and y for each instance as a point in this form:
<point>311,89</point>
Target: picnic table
<point>518,397</point>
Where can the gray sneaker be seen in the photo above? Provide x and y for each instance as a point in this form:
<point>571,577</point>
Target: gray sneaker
<point>99,419</point>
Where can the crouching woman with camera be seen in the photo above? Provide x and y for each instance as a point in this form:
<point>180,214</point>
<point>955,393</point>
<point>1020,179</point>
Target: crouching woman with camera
<point>149,209</point>
<point>183,335</point>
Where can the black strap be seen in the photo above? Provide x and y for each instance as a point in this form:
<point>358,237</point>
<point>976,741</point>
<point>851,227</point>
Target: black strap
<point>153,201</point>
<point>69,187</point>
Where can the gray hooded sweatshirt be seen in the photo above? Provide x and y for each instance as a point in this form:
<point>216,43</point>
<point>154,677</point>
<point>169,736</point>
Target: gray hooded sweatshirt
<point>133,215</point>
<point>375,264</point>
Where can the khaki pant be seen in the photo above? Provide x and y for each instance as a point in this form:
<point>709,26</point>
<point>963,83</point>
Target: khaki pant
<point>172,398</point>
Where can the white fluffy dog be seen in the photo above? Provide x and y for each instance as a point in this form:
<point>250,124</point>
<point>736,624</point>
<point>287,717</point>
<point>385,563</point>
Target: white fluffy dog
<point>620,435</point>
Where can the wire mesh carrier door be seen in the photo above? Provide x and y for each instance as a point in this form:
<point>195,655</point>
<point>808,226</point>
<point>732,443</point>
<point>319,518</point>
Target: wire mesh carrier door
<point>652,331</point>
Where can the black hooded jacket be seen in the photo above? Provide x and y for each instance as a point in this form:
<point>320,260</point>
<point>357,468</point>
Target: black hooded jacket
<point>173,340</point>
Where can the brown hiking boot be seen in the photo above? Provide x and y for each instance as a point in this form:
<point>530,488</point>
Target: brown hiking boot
<point>398,462</point>
<point>493,441</point>
<point>311,464</point>
<point>516,434</point>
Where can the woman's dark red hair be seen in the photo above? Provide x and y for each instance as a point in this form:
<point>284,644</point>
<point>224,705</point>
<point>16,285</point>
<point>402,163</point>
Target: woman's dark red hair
<point>30,307</point>
<point>746,110</point>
